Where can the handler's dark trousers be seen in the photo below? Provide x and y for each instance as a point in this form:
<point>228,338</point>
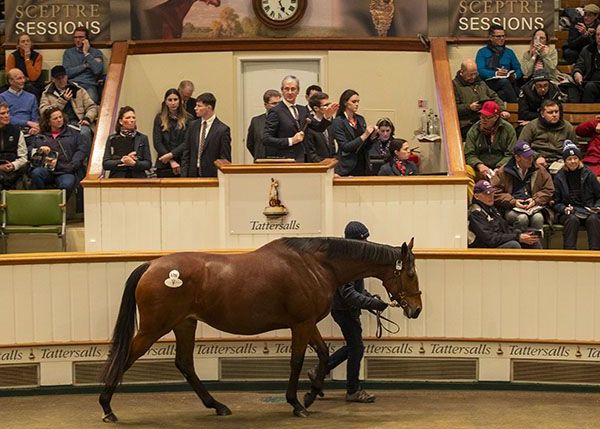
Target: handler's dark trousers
<point>571,227</point>
<point>353,350</point>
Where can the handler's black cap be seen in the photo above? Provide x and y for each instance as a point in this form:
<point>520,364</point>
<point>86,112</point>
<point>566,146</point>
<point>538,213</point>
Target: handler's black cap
<point>356,230</point>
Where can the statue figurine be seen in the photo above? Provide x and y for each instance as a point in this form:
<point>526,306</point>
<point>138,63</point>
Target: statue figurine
<point>274,200</point>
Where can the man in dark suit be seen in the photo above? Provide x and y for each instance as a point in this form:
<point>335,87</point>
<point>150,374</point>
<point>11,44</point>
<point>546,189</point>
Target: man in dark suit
<point>287,121</point>
<point>254,140</point>
<point>319,146</point>
<point>206,140</point>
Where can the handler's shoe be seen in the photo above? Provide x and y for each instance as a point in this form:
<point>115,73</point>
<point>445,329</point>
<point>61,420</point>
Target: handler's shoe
<point>312,376</point>
<point>360,396</point>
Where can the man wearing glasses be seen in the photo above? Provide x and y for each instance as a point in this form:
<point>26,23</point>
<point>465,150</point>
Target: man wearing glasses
<point>84,64</point>
<point>498,65</point>
<point>319,145</point>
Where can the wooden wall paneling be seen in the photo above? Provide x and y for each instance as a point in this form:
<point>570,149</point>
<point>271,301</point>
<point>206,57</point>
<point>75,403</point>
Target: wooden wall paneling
<point>98,304</point>
<point>491,292</point>
<point>547,292</point>
<point>596,316</point>
<point>60,290</point>
<point>454,299</point>
<point>93,219</point>
<point>472,319</point>
<point>567,303</point>
<point>42,303</point>
<point>79,297</point>
<point>583,287</point>
<point>432,282</point>
<point>528,280</point>
<point>8,314</point>
<point>509,300</point>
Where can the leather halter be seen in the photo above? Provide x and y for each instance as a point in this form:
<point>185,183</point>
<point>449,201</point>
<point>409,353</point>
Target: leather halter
<point>402,295</point>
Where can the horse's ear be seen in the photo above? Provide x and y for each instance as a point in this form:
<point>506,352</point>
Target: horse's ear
<point>404,250</point>
<point>411,243</point>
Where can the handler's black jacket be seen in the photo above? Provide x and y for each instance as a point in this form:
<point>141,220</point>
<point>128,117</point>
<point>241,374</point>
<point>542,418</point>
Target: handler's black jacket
<point>489,227</point>
<point>353,297</point>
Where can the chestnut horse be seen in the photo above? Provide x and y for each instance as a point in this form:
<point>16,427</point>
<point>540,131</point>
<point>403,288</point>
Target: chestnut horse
<point>287,283</point>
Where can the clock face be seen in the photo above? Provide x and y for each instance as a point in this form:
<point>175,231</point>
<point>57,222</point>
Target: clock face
<point>280,10</point>
<point>279,13</point>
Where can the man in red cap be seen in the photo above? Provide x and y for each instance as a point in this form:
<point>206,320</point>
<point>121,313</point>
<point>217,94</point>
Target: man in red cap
<point>489,143</point>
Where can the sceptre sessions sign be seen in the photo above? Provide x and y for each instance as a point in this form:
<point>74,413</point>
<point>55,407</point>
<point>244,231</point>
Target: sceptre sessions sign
<point>518,17</point>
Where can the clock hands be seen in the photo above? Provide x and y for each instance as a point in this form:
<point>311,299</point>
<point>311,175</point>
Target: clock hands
<point>281,6</point>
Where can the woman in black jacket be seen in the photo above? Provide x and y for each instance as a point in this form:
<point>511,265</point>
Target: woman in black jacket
<point>168,134</point>
<point>127,152</point>
<point>353,136</point>
<point>397,163</point>
<point>58,153</point>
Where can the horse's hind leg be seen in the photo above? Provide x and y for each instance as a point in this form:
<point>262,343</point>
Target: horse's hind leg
<point>316,388</point>
<point>185,334</point>
<point>139,345</point>
<point>300,335</point>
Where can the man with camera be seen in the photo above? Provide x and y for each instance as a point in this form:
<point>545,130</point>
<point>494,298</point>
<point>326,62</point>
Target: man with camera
<point>72,99</point>
<point>13,151</point>
<point>84,63</point>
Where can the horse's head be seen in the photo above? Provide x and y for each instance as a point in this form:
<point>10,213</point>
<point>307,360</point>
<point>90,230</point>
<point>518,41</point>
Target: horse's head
<point>402,282</point>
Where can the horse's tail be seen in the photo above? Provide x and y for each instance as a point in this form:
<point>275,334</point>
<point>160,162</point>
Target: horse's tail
<point>124,329</point>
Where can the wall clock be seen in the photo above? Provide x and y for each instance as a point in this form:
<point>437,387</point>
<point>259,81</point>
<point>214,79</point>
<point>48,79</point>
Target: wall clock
<point>279,14</point>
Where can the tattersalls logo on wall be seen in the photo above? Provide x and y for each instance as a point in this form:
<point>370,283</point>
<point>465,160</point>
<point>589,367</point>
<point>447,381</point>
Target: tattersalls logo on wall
<point>275,214</point>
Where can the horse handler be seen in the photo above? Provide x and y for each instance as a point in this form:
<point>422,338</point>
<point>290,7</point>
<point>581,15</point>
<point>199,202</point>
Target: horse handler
<point>348,301</point>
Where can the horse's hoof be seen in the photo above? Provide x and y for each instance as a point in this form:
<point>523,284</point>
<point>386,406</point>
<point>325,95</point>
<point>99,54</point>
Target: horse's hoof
<point>309,398</point>
<point>223,410</point>
<point>300,412</point>
<point>109,418</point>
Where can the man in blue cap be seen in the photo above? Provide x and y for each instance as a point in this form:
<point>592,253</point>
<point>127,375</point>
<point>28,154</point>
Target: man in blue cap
<point>348,301</point>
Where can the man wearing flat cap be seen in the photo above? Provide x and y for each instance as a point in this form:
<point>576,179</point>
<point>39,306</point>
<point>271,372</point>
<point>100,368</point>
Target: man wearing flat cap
<point>581,33</point>
<point>72,99</point>
<point>487,227</point>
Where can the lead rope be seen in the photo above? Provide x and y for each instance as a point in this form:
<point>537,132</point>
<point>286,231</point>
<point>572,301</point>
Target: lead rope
<point>380,327</point>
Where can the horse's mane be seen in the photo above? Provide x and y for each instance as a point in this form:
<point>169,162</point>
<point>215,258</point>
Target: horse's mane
<point>345,249</point>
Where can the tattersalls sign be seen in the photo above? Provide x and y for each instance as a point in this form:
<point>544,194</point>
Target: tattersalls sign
<point>518,17</point>
<point>56,20</point>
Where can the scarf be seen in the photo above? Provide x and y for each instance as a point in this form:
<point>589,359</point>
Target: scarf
<point>493,62</point>
<point>549,125</point>
<point>400,165</point>
<point>489,131</point>
<point>128,133</point>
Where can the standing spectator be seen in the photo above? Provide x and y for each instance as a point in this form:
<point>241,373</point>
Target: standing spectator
<point>540,57</point>
<point>206,140</point>
<point>487,227</point>
<point>29,62</point>
<point>348,301</point>
<point>547,133</point>
<point>127,152</point>
<point>287,122</point>
<point>353,136</point>
<point>534,93</point>
<point>587,70</point>
<point>577,200</point>
<point>254,139</point>
<point>23,105</point>
<point>168,134</point>
<point>498,65</point>
<point>591,129</point>
<point>489,142</point>
<point>13,151</point>
<point>61,154</point>
<point>310,91</point>
<point>470,93</point>
<point>84,63</point>
<point>319,146</point>
<point>72,99</point>
<point>581,33</point>
<point>523,189</point>
<point>186,91</point>
<point>398,162</point>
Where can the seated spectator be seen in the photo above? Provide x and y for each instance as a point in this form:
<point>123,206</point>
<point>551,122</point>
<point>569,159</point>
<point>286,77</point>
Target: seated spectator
<point>547,132</point>
<point>127,152</point>
<point>168,134</point>
<point>13,151</point>
<point>186,90</point>
<point>586,72</point>
<point>22,104</point>
<point>29,62</point>
<point>254,139</point>
<point>84,63</point>
<point>540,57</point>
<point>534,93</point>
<point>577,200</point>
<point>319,145</point>
<point>72,99</point>
<point>353,136</point>
<point>581,33</point>
<point>523,189</point>
<point>498,65</point>
<point>489,144</point>
<point>206,140</point>
<point>487,227</point>
<point>379,152</point>
<point>470,93</point>
<point>398,162</point>
<point>591,129</point>
<point>58,154</point>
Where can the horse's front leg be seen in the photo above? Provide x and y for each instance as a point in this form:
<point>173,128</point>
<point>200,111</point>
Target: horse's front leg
<point>317,378</point>
<point>300,335</point>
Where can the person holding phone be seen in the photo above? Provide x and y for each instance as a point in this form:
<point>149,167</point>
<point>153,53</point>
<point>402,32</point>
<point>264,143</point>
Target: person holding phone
<point>84,63</point>
<point>540,57</point>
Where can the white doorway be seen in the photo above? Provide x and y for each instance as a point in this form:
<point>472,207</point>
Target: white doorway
<point>259,75</point>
